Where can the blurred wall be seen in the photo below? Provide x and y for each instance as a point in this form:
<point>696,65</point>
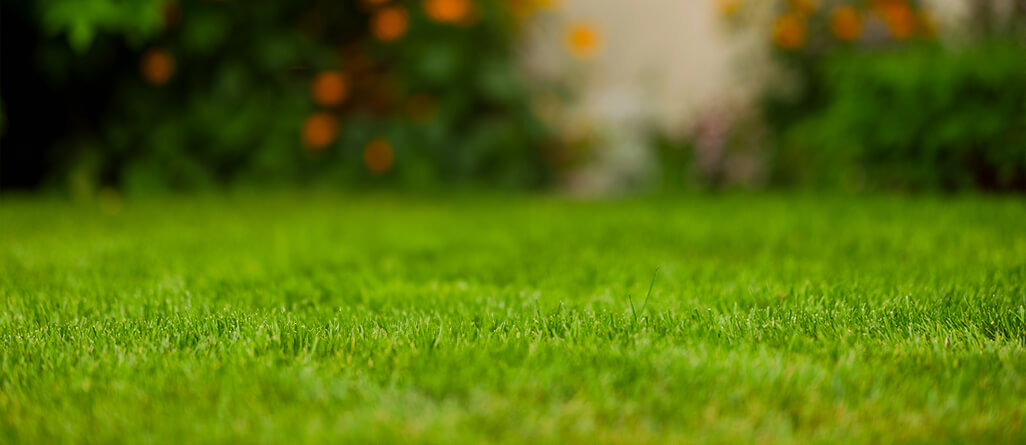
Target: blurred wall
<point>675,56</point>
<point>661,61</point>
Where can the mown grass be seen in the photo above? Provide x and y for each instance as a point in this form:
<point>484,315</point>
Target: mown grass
<point>338,319</point>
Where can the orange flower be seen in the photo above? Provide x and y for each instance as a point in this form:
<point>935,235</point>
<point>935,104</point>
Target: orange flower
<point>329,88</point>
<point>319,131</point>
<point>378,156</point>
<point>583,41</point>
<point>448,11</point>
<point>845,23</point>
<point>789,32</point>
<point>157,66</point>
<point>390,23</point>
<point>900,19</point>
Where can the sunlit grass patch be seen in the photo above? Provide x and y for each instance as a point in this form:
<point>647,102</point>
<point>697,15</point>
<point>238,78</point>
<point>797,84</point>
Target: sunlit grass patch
<point>378,319</point>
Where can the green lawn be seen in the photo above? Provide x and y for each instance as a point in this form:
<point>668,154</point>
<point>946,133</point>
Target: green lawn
<point>341,319</point>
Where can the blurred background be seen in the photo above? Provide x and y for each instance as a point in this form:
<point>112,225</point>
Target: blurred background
<point>590,97</point>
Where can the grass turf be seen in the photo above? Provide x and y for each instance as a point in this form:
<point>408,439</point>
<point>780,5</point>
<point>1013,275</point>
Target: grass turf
<point>292,319</point>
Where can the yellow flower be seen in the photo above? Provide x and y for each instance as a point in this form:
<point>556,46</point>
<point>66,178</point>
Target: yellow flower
<point>583,41</point>
<point>728,8</point>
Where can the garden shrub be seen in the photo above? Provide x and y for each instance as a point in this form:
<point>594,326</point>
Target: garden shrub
<point>188,94</point>
<point>869,98</point>
<point>921,117</point>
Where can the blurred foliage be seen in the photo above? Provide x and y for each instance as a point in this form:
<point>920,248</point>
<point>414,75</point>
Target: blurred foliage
<point>82,20</point>
<point>921,117</point>
<point>725,148</point>
<point>204,93</point>
<point>804,34</point>
<point>871,99</point>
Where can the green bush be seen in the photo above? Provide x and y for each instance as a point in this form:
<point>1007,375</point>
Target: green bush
<point>206,93</point>
<point>915,118</point>
<point>868,98</point>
